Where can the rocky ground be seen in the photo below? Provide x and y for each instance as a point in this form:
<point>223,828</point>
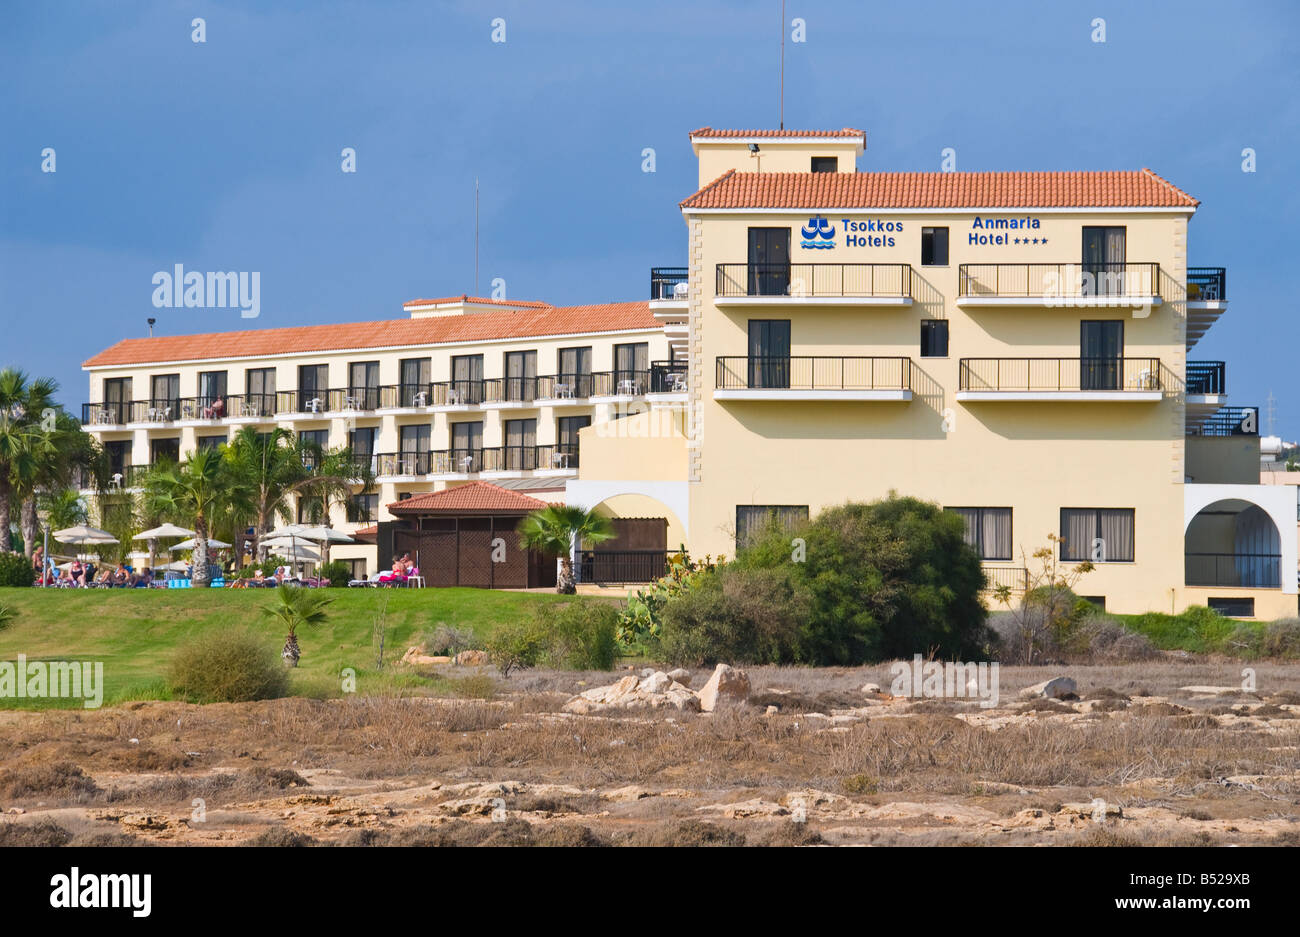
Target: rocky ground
<point>1167,753</point>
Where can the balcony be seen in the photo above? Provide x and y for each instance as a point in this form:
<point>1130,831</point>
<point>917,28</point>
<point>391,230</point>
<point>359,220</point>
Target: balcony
<point>669,285</point>
<point>557,459</point>
<point>421,463</point>
<point>619,383</point>
<point>105,415</point>
<point>1065,284</point>
<point>667,381</point>
<point>1207,298</point>
<point>1205,390</point>
<point>558,390</point>
<point>1059,379</point>
<point>1233,570</point>
<point>814,284</point>
<point>1015,578</point>
<point>1228,421</point>
<point>813,378</point>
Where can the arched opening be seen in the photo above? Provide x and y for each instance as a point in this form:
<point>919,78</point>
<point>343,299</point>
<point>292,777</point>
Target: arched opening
<point>647,532</point>
<point>1233,542</point>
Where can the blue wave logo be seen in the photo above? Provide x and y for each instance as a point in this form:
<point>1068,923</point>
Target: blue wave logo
<point>818,233</point>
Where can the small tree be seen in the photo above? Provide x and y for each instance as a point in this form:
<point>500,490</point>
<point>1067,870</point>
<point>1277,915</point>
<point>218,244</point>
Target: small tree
<point>1047,608</point>
<point>296,607</point>
<point>556,531</point>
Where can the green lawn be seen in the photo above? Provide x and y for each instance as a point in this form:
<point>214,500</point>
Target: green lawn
<point>135,632</point>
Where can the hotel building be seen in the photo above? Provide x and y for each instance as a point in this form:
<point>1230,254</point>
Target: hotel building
<point>1011,345</point>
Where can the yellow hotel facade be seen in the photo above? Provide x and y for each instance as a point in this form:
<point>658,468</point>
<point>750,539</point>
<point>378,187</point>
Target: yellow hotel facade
<point>1013,346</point>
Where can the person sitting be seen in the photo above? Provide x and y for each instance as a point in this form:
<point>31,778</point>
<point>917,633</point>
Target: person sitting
<point>105,579</point>
<point>144,580</point>
<point>90,574</point>
<point>77,573</point>
<point>215,410</point>
<point>397,574</point>
<point>120,576</point>
<point>259,577</point>
<point>38,558</point>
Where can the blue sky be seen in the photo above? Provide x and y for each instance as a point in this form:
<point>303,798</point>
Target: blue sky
<point>225,155</point>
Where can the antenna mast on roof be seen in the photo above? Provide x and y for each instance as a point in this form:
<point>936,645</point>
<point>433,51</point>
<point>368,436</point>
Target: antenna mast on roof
<point>476,235</point>
<point>782,65</point>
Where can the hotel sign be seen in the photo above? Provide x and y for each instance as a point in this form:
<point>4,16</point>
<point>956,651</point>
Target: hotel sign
<point>995,231</point>
<point>819,233</point>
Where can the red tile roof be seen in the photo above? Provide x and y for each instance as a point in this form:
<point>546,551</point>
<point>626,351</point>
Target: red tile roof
<point>538,320</point>
<point>468,498</point>
<point>712,133</point>
<point>824,190</point>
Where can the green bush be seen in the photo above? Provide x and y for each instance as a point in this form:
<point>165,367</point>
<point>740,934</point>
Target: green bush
<point>579,635</point>
<point>229,666</point>
<point>450,640</point>
<point>516,646</point>
<point>16,570</point>
<point>337,572</point>
<point>736,615</point>
<point>873,581</point>
<point>269,565</point>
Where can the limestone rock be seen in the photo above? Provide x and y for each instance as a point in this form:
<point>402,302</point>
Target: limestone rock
<point>681,676</point>
<point>472,658</point>
<point>727,686</point>
<point>1056,688</point>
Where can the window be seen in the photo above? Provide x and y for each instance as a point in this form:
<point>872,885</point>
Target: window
<point>521,376</point>
<point>575,370</point>
<point>1233,607</point>
<point>1101,354</point>
<point>313,439</point>
<point>566,451</point>
<point>825,164</point>
<point>1098,600</point>
<point>1098,535</point>
<point>259,391</point>
<point>1103,259</point>
<point>467,446</point>
<point>164,450</point>
<point>356,567</point>
<point>934,338</point>
<point>467,378</point>
<point>313,379</point>
<point>119,456</point>
<point>212,386</point>
<point>934,247</point>
<point>363,508</point>
<point>521,445</point>
<point>631,364</point>
<point>988,530</point>
<point>769,353</point>
<point>415,374</point>
<point>211,442</point>
<point>363,384</point>
<point>165,393</point>
<point>117,398</point>
<point>752,520</point>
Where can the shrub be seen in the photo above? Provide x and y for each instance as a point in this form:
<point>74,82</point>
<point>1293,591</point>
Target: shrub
<point>229,666</point>
<point>516,646</point>
<point>1282,638</point>
<point>875,581</point>
<point>579,635</point>
<point>337,572</point>
<point>61,779</point>
<point>640,621</point>
<point>269,565</point>
<point>450,641</point>
<point>16,570</point>
<point>7,616</point>
<point>736,615</point>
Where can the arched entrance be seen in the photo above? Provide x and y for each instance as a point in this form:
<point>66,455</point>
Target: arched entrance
<point>1233,542</point>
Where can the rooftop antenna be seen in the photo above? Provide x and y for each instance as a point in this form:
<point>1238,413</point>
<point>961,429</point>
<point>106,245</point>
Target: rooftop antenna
<point>151,321</point>
<point>782,64</point>
<point>1270,418</point>
<point>476,235</point>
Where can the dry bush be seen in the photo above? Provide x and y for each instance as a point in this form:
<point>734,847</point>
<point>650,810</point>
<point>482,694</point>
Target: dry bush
<point>695,833</point>
<point>62,780</point>
<point>281,836</point>
<point>44,832</point>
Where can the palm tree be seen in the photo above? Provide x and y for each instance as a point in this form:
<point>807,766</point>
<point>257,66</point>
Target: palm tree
<point>7,616</point>
<point>23,403</point>
<point>334,473</point>
<point>556,530</point>
<point>271,465</point>
<point>295,607</point>
<point>64,508</point>
<point>202,488</point>
<point>61,454</point>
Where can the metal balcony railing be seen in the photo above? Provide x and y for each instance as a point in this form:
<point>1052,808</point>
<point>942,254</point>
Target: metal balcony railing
<point>620,566</point>
<point>1205,377</point>
<point>1229,421</point>
<point>557,456</point>
<point>619,383</point>
<point>814,373</point>
<point>1053,374</point>
<point>1058,281</point>
<point>669,282</point>
<point>1244,570</point>
<point>667,377</point>
<point>574,386</point>
<point>1207,284</point>
<point>112,413</point>
<point>815,280</point>
<point>1015,578</point>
